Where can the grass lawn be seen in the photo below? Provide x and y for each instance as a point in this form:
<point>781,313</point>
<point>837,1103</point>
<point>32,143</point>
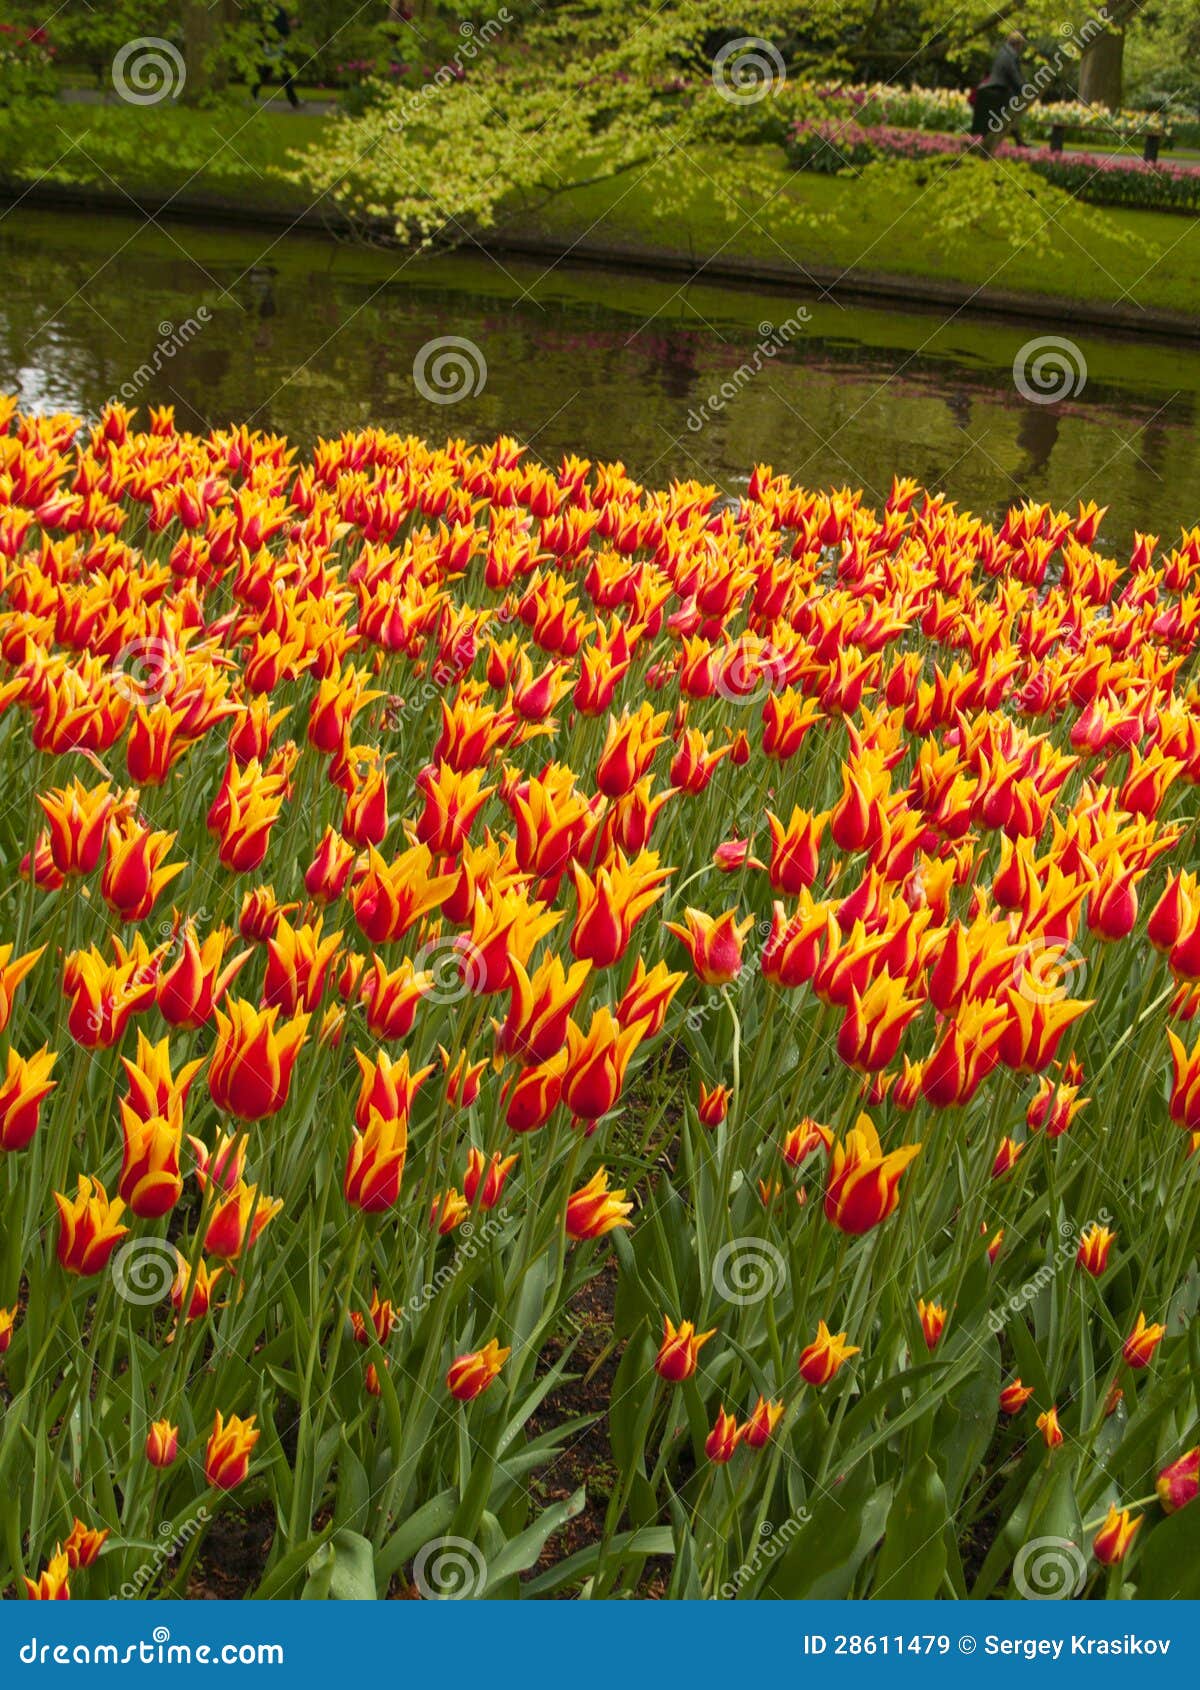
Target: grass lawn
<point>742,202</point>
<point>801,217</point>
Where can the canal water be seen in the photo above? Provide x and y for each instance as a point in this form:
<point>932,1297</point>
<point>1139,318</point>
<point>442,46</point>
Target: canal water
<point>309,337</point>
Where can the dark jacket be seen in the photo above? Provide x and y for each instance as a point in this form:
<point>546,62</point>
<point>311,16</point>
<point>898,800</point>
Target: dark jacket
<point>1006,71</point>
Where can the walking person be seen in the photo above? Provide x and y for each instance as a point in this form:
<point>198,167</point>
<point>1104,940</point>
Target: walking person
<point>1000,99</point>
<point>276,55</point>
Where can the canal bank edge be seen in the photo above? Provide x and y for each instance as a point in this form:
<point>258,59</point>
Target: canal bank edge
<point>826,281</point>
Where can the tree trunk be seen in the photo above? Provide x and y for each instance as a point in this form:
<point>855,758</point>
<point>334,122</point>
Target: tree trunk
<point>203,26</point>
<point>1100,69</point>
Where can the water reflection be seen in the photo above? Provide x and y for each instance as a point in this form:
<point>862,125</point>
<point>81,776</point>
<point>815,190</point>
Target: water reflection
<point>309,338</point>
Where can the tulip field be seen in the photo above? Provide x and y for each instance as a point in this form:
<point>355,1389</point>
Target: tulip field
<point>497,961</point>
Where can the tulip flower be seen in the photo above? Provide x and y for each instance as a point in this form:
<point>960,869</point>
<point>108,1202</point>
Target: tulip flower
<point>611,903</point>
<point>227,1453</point>
<point>187,990</point>
<point>1048,1426</point>
<point>863,1184</point>
<point>448,1210</point>
<point>1111,1543</point>
<point>1006,1157</point>
<point>629,747</point>
<point>1014,1396</point>
<point>8,1321</point>
<point>800,1141</point>
<point>760,1427</point>
<point>162,1443</point>
<point>485,1177</point>
<point>933,1320</point>
<point>680,1350</point>
<point>713,1105</point>
<point>1184,1105</point>
<point>822,1360</point>
<point>83,1544</point>
<point>250,1074</point>
<point>874,1024</point>
<point>238,1221</point>
<point>224,1165</point>
<point>1054,1108</point>
<point>78,821</point>
<point>714,944</point>
<point>202,1281</point>
<point>534,1096</point>
<point>135,870</point>
<point>12,971</point>
<point>536,1024</point>
<point>473,1373</point>
<point>25,1087</point>
<point>298,960</point>
<point>375,1164</point>
<point>648,996</point>
<point>596,1064</point>
<point>1179,1484</point>
<point>392,897</point>
<point>1094,1246</point>
<point>721,1443</point>
<point>594,1210</point>
<point>51,1584</point>
<point>386,1086</point>
<point>1138,1349</point>
<point>383,1319</point>
<point>88,1229</point>
<point>150,1181</point>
